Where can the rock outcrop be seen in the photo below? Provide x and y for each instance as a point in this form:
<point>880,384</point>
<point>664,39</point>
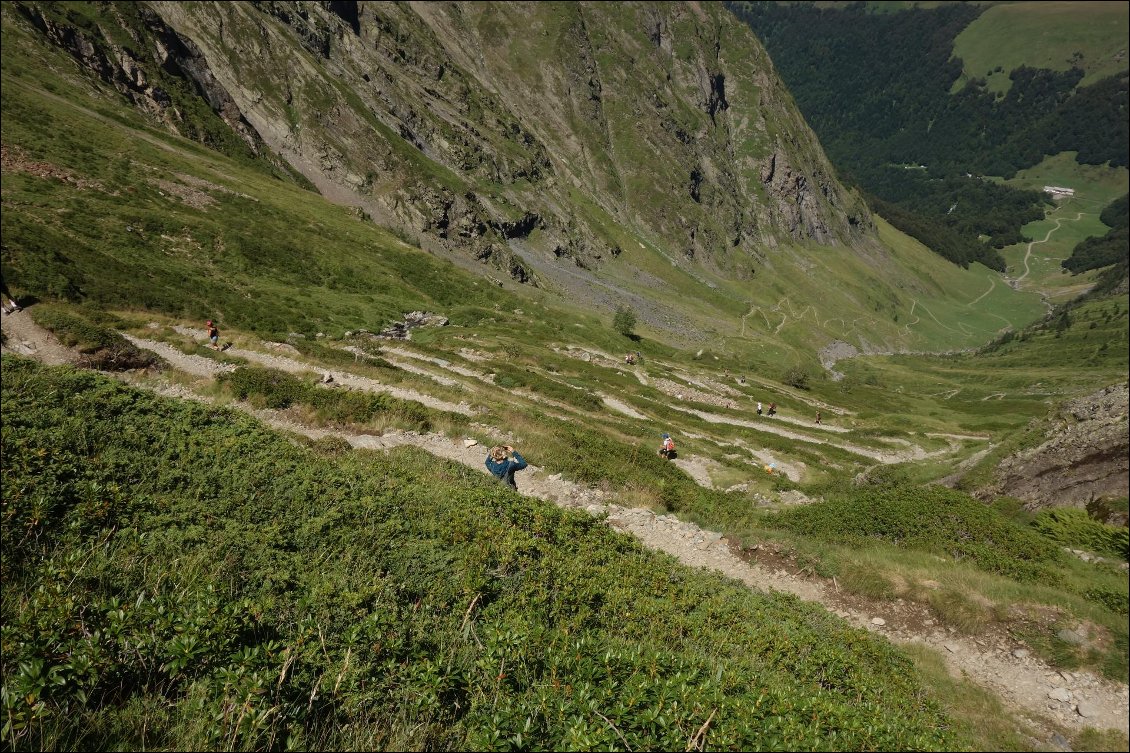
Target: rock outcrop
<point>1084,455</point>
<point>473,125</point>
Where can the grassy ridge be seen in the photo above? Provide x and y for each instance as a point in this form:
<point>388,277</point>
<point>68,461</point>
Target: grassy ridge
<point>934,519</point>
<point>245,591</point>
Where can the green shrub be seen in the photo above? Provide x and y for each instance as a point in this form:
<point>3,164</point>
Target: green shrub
<point>933,519</point>
<point>796,377</point>
<point>1116,601</point>
<point>178,576</point>
<point>1074,528</point>
<point>624,320</point>
<point>271,388</point>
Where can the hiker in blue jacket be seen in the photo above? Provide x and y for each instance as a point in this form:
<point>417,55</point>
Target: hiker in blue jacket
<point>503,462</point>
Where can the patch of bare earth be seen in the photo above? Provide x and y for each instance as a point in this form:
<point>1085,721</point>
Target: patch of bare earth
<point>24,337</point>
<point>16,160</point>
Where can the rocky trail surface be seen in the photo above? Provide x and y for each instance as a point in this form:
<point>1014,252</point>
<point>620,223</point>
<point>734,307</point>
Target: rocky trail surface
<point>1048,699</point>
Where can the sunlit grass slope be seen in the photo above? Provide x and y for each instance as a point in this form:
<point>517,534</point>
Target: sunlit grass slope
<point>1051,35</point>
<point>1008,382</point>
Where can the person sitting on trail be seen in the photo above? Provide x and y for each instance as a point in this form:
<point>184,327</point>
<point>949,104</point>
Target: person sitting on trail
<point>10,306</point>
<point>667,448</point>
<point>772,409</point>
<point>629,359</point>
<point>503,462</point>
<point>213,335</point>
<point>759,407</point>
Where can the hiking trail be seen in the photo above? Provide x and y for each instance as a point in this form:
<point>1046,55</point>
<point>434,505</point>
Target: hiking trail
<point>1039,695</point>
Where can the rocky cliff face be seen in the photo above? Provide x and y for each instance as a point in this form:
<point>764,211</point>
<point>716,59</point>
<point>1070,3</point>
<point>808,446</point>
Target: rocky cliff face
<point>560,128</point>
<point>1084,455</point>
<point>163,74</point>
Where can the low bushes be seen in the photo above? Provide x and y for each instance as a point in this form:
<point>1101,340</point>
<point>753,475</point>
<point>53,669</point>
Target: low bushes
<point>338,356</point>
<point>101,347</point>
<point>178,577</point>
<point>1074,528</point>
<point>270,388</point>
<point>509,377</point>
<point>933,519</point>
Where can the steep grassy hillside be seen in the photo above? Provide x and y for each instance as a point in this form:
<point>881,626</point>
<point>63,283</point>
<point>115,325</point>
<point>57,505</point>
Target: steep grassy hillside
<point>252,593</point>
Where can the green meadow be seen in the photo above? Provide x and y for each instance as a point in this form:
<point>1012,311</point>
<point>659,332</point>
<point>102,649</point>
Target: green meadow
<point>1072,220</point>
<point>1052,35</point>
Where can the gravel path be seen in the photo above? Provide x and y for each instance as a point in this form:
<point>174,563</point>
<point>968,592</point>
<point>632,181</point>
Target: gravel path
<point>772,427</point>
<point>201,366</point>
<point>24,337</point>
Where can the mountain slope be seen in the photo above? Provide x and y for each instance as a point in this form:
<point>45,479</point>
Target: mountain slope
<point>469,88</point>
<point>919,128</point>
<point>489,153</point>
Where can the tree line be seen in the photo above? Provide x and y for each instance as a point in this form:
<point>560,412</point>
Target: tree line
<point>1113,248</point>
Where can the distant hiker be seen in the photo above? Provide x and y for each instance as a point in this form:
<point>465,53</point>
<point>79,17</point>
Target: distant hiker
<point>213,335</point>
<point>503,462</point>
<point>772,409</point>
<point>667,448</point>
<point>629,359</point>
<point>759,407</point>
<point>817,417</point>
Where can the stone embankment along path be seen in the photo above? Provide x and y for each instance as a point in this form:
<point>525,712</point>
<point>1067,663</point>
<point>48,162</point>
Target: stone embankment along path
<point>1024,683</point>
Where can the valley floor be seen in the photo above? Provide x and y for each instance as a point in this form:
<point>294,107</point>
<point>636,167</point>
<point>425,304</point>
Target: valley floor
<point>1049,700</point>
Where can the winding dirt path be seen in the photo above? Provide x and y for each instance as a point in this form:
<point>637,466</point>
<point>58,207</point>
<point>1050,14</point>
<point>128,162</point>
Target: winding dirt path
<point>1058,223</point>
<point>1024,683</point>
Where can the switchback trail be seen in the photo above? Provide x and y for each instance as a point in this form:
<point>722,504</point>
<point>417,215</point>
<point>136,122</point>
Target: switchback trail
<point>1024,683</point>
<point>1058,222</point>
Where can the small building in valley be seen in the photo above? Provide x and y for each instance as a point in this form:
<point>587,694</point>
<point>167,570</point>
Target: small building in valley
<point>1058,192</point>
